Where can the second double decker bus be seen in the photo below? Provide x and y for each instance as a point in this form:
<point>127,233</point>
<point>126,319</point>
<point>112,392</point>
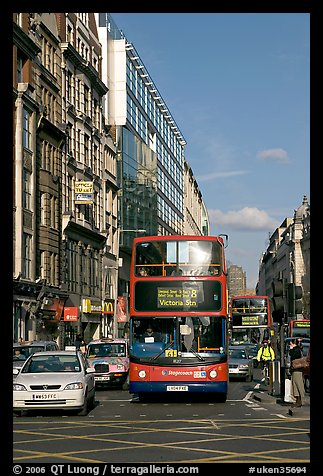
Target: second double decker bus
<point>178,289</point>
<point>250,319</point>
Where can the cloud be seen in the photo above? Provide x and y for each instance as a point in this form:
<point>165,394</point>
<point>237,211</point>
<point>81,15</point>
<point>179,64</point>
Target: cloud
<point>279,155</point>
<point>218,175</point>
<point>246,219</point>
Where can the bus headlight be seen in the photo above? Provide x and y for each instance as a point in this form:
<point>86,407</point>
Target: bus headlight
<point>142,373</point>
<point>213,373</point>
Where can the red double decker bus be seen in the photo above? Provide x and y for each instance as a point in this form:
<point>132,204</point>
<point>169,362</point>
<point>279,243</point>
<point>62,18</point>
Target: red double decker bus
<point>178,288</point>
<point>299,328</point>
<point>250,319</point>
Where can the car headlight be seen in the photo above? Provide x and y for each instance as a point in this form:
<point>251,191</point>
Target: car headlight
<point>243,366</point>
<point>74,386</point>
<point>18,387</point>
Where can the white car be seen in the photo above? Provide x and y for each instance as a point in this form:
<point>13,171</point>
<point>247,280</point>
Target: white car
<point>59,379</point>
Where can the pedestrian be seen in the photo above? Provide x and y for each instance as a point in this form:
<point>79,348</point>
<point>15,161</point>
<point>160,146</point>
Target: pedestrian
<point>83,347</point>
<point>78,341</point>
<point>297,381</point>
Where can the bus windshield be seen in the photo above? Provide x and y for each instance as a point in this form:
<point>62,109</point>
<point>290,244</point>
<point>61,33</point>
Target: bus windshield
<point>178,258</point>
<point>178,336</point>
<point>251,320</point>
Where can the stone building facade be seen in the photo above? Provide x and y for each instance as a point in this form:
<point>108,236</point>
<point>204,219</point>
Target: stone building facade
<point>288,256</point>
<point>75,190</point>
<point>237,280</point>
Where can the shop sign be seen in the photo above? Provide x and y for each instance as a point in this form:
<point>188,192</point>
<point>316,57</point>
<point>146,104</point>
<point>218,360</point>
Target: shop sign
<point>53,308</point>
<point>122,309</point>
<point>71,313</point>
<point>108,306</point>
<point>59,309</point>
<point>88,306</point>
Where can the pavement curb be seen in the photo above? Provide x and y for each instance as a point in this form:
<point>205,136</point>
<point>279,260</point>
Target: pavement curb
<point>292,411</point>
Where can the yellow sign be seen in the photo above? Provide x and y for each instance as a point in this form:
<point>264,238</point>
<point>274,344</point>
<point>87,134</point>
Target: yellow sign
<point>302,324</point>
<point>83,193</point>
<point>88,306</point>
<point>250,321</point>
<point>170,353</point>
<point>107,307</point>
<point>171,297</point>
<point>83,187</point>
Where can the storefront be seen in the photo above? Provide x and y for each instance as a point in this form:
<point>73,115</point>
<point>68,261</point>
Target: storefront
<point>91,319</point>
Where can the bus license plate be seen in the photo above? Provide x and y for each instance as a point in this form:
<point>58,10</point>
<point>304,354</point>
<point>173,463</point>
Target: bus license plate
<point>101,378</point>
<point>177,388</point>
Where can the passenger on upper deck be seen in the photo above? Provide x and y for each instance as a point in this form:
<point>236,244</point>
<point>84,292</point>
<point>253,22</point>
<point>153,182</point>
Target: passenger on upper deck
<point>143,272</point>
<point>213,271</point>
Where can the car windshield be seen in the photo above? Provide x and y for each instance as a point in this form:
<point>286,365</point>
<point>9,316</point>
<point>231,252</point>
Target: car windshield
<point>24,351</point>
<point>52,363</point>
<point>106,350</point>
<point>237,354</point>
<point>252,350</point>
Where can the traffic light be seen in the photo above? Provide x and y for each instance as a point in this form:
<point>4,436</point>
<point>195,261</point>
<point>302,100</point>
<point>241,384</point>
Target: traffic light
<point>294,299</point>
<point>278,300</point>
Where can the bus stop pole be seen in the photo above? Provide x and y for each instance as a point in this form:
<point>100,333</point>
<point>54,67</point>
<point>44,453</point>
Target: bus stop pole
<point>282,345</point>
<point>282,359</point>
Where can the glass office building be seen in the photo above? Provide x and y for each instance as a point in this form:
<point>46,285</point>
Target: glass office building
<point>150,146</point>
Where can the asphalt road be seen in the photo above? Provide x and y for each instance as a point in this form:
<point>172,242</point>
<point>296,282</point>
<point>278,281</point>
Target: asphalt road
<point>184,430</point>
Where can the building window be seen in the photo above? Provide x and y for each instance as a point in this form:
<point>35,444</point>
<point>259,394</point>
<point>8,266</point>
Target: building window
<point>20,64</point>
<point>69,86</point>
<point>26,251</point>
<point>42,270</point>
<point>53,212</point>
<point>70,193</point>
<point>87,150</point>
<point>52,267</point>
<point>43,208</point>
<point>26,139</point>
<point>26,197</point>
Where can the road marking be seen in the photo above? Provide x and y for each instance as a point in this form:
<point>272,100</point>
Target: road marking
<point>216,426</point>
<point>114,400</point>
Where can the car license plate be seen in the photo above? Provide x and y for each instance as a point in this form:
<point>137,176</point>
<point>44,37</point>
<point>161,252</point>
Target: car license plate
<point>102,378</point>
<point>45,396</point>
<point>177,388</point>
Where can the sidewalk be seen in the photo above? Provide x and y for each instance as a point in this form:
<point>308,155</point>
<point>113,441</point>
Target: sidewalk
<point>262,394</point>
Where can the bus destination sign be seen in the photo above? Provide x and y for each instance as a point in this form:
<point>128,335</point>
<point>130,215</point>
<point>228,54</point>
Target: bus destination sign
<point>177,297</point>
<point>180,296</point>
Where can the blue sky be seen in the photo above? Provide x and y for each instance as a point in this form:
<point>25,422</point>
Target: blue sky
<point>238,87</point>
